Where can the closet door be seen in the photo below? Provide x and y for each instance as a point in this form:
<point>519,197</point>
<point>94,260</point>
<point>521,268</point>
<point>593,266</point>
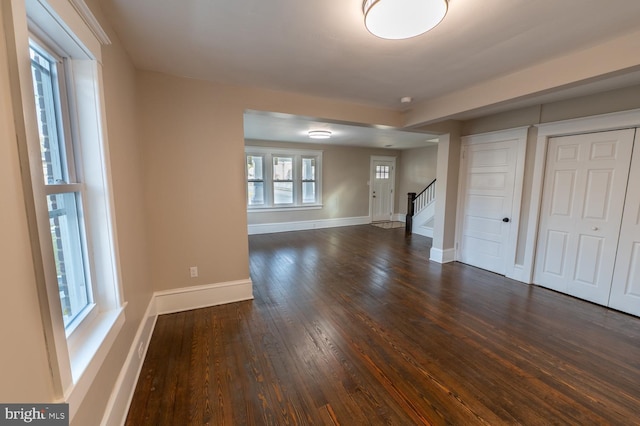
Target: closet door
<point>583,198</point>
<point>487,186</point>
<point>625,291</point>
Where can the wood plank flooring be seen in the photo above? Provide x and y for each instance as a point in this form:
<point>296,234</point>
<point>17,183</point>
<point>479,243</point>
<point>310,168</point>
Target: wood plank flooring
<point>354,326</point>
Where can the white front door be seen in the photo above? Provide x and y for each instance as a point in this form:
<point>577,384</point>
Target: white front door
<point>583,197</point>
<point>382,183</point>
<point>486,204</point>
<point>625,290</point>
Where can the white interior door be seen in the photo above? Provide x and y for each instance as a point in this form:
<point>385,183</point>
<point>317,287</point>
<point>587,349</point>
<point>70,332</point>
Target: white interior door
<point>488,182</point>
<point>625,290</point>
<point>582,202</point>
<point>383,181</point>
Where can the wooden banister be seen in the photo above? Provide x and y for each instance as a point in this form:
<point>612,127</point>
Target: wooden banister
<point>415,204</point>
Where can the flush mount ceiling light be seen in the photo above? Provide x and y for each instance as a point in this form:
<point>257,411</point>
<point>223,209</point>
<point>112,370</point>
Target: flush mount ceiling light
<point>400,19</point>
<point>319,134</point>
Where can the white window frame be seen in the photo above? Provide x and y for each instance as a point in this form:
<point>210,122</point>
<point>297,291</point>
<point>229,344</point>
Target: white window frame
<point>297,155</point>
<point>70,150</point>
<point>76,353</point>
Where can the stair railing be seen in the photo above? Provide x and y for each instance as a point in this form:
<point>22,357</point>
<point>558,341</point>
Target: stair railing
<point>417,203</point>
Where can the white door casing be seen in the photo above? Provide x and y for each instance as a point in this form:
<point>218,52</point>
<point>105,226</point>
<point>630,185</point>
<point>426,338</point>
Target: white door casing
<point>491,178</point>
<point>382,188</point>
<point>625,289</point>
<point>581,211</point>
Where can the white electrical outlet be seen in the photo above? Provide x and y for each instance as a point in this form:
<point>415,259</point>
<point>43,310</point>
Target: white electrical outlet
<point>140,350</point>
<point>194,271</point>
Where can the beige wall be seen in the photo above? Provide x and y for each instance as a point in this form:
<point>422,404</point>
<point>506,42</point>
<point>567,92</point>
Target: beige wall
<point>345,177</point>
<point>417,169</point>
<point>447,190</point>
<point>193,138</point>
<point>24,367</point>
<point>127,165</point>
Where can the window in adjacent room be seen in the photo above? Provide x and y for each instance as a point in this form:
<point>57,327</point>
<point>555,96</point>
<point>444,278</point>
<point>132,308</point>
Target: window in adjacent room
<point>309,182</point>
<point>255,180</point>
<point>283,178</point>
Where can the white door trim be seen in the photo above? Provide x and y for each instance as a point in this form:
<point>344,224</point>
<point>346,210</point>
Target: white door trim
<point>518,134</point>
<point>597,123</point>
<point>372,176</point>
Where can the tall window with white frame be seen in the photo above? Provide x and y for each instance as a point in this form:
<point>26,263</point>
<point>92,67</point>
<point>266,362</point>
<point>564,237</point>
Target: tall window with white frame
<point>63,190</point>
<point>309,180</point>
<point>282,180</point>
<point>255,180</point>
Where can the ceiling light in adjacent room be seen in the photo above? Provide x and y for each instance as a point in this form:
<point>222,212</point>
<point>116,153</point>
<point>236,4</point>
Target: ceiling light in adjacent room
<point>400,19</point>
<point>319,134</point>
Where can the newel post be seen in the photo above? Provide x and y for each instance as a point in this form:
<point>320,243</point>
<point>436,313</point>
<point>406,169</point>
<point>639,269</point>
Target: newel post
<point>411,197</point>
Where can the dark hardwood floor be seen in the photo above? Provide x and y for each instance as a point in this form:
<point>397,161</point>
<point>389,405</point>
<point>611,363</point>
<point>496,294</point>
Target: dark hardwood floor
<point>354,326</point>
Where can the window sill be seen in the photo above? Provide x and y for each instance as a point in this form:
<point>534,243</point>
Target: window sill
<point>87,357</point>
<point>284,209</point>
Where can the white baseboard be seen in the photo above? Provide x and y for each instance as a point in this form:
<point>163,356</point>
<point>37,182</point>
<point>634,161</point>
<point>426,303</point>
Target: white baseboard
<point>118,405</point>
<point>442,256</point>
<point>399,217</point>
<point>423,230</point>
<point>185,299</point>
<point>518,274</point>
<point>270,228</point>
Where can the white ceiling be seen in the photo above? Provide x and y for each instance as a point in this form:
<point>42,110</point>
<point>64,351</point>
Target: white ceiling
<point>284,127</point>
<point>322,47</point>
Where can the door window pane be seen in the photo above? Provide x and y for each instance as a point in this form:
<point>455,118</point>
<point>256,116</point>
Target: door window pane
<point>67,251</point>
<point>382,172</point>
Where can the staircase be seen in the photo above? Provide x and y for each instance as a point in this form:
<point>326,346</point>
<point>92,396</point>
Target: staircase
<point>421,211</point>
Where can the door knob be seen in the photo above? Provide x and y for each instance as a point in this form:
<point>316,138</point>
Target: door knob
<point>595,228</point>
<point>505,220</point>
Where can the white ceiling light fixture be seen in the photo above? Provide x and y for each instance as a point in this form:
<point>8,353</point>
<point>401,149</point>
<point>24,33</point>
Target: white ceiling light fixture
<point>400,19</point>
<point>319,134</point>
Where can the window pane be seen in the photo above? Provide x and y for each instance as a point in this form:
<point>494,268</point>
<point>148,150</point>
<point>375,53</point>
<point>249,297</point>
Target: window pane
<point>254,168</point>
<point>255,192</point>
<point>308,169</point>
<point>282,168</point>
<point>382,172</point>
<point>283,192</point>
<point>67,251</point>
<point>46,99</point>
<point>308,192</point>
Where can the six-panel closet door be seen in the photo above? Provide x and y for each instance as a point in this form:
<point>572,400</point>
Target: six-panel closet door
<point>583,200</point>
